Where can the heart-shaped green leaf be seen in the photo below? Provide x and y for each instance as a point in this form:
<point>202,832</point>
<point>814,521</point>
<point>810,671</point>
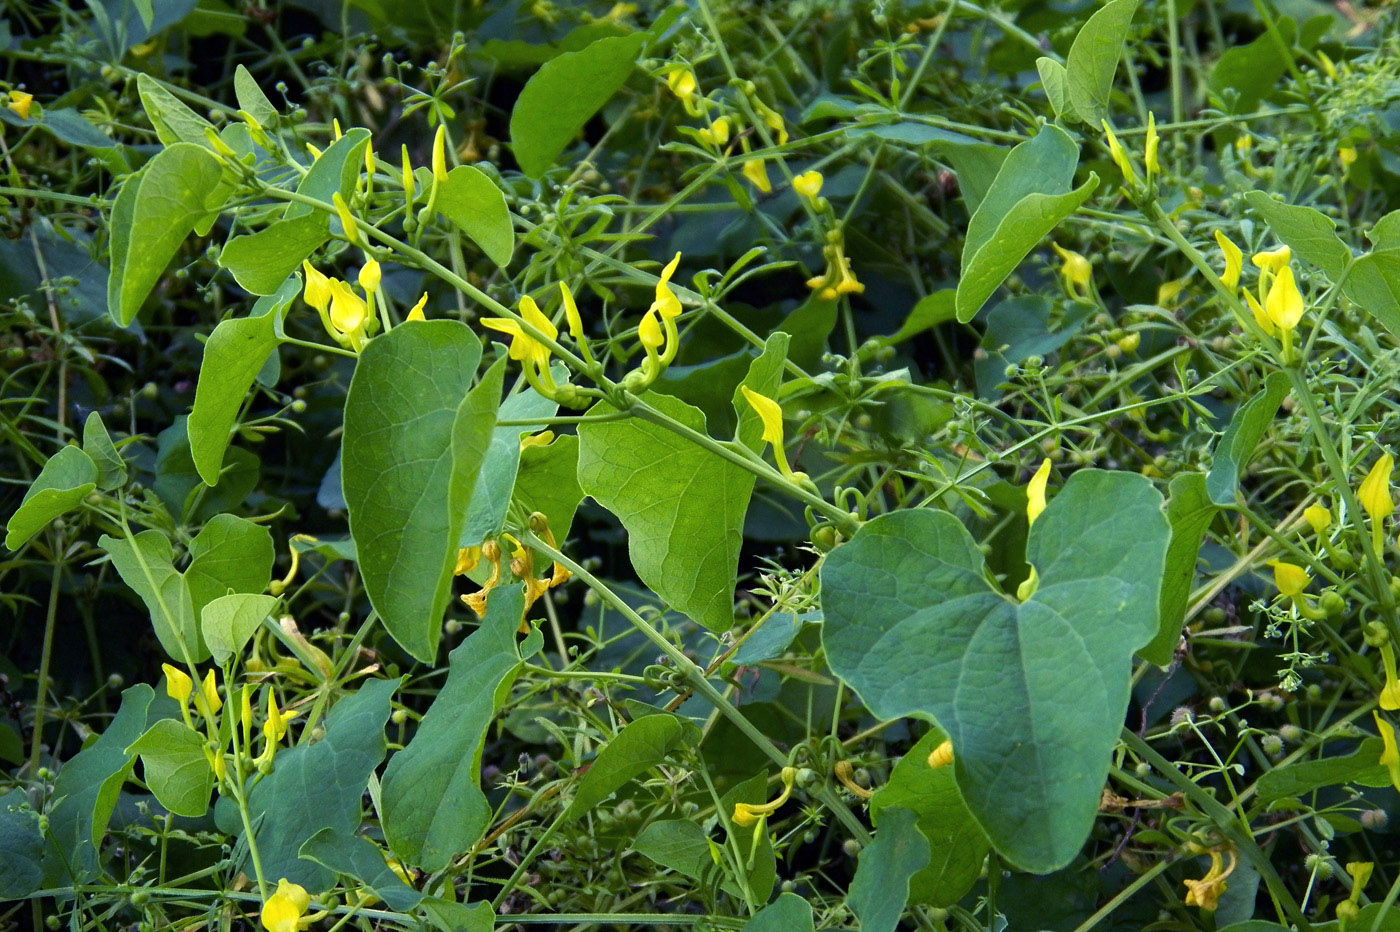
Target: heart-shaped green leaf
<point>1032,694</point>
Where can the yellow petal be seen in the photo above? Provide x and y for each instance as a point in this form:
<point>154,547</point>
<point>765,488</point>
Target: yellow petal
<point>808,184</point>
<point>370,276</point>
<point>941,756</point>
<point>757,173</point>
<point>1284,304</point>
<point>769,412</point>
<point>536,318</point>
<point>178,685</point>
<point>347,219</point>
<point>1234,260</point>
<point>20,102</point>
<point>1074,268</point>
<point>649,332</point>
<point>210,689</point>
<point>666,303</point>
<point>318,288</point>
<point>1272,260</point>
<point>348,310</point>
<point>1374,493</point>
<point>440,154</point>
<point>682,83</point>
<point>1035,492</point>
<point>1291,580</point>
<point>407,174</point>
<point>1318,518</point>
<point>1260,318</point>
<point>571,312</point>
<point>284,909</point>
<point>1390,755</point>
<point>416,312</point>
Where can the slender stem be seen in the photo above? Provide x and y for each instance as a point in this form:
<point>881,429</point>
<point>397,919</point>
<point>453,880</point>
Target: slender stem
<point>45,657</point>
<point>697,678</point>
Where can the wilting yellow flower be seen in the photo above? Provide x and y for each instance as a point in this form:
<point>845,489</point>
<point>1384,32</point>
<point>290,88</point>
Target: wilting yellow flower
<point>808,184</point>
<point>1035,492</point>
<point>757,174</point>
<point>20,102</point>
<point>1206,892</point>
<point>942,755</point>
<point>746,814</point>
<point>1284,303</point>
<point>716,134</point>
<point>1076,270</point>
<point>283,910</point>
<point>1234,260</point>
<point>838,278</point>
<point>178,685</point>
<point>1390,754</point>
<point>1374,493</point>
<point>416,312</point>
<point>440,154</point>
<point>1318,518</point>
<point>1290,579</point>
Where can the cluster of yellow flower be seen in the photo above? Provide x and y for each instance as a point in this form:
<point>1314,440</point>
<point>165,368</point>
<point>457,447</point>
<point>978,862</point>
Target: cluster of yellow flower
<point>522,567</point>
<point>207,702</point>
<point>717,133</point>
<point>1279,307</point>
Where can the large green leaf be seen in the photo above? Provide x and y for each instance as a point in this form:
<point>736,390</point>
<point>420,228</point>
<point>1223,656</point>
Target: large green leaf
<point>1029,197</point>
<point>262,261</point>
<point>1093,58</point>
<point>318,786</point>
<point>174,192</point>
<point>1361,767</point>
<point>957,845</point>
<point>229,553</point>
<point>21,849</point>
<point>357,857</point>
<point>564,94</point>
<point>880,888</point>
<point>415,436</point>
<point>1190,511</point>
<point>1310,233</point>
<point>547,482</point>
<point>85,792</point>
<point>176,770</point>
<point>431,801</point>
<point>66,479</point>
<point>335,172</point>
<point>173,121</point>
<point>251,99</point>
<point>1236,446</point>
<point>683,506</point>
<point>97,443</point>
<point>234,354</point>
<point>1373,285</point>
<point>229,622</point>
<point>788,913</point>
<point>1032,694</point>
<point>473,202</point>
<point>637,748</point>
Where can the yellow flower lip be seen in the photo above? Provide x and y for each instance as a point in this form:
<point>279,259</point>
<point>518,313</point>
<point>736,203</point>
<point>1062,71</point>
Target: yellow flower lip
<point>808,184</point>
<point>757,174</point>
<point>178,685</point>
<point>1272,260</point>
<point>20,103</point>
<point>1284,302</point>
<point>1075,269</point>
<point>746,814</point>
<point>666,303</point>
<point>1374,493</point>
<point>283,910</point>
<point>1205,892</point>
<point>1290,579</point>
<point>348,310</point>
<point>1318,517</point>
<point>1035,491</point>
<point>1234,261</point>
<point>942,755</point>
<point>769,412</point>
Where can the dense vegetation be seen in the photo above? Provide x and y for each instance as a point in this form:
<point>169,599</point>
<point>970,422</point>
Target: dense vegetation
<point>842,465</point>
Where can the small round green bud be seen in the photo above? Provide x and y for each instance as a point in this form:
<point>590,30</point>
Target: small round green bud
<point>851,847</point>
<point>1291,733</point>
<point>1217,704</point>
<point>150,391</point>
<point>298,406</point>
<point>1142,769</point>
<point>1320,865</point>
<point>1272,745</point>
<point>399,717</point>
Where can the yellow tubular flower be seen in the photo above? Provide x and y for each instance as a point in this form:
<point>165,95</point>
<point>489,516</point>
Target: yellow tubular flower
<point>1234,261</point>
<point>523,347</point>
<point>682,83</point>
<point>407,175</point>
<point>347,219</point>
<point>1035,492</point>
<point>20,103</point>
<point>370,275</point>
<point>1120,158</point>
<point>1374,493</point>
<point>318,288</point>
<point>1272,260</point>
<point>716,134</point>
<point>666,303</point>
<point>1149,153</point>
<point>1390,755</point>
<point>535,318</point>
<point>1168,292</point>
<point>1390,692</point>
<point>941,756</point>
<point>275,728</point>
<point>416,312</point>
<point>1260,318</point>
<point>746,814</point>
<point>1318,518</point>
<point>477,600</point>
<point>314,152</point>
<point>808,184</point>
<point>571,315</point>
<point>440,154</point>
<point>769,412</point>
<point>757,174</point>
<point>178,685</point>
<point>1074,269</point>
<point>283,910</point>
<point>1291,580</point>
<point>209,689</point>
<point>348,314</point>
<point>649,333</point>
<point>1284,304</point>
<point>1206,892</point>
<point>245,715</point>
